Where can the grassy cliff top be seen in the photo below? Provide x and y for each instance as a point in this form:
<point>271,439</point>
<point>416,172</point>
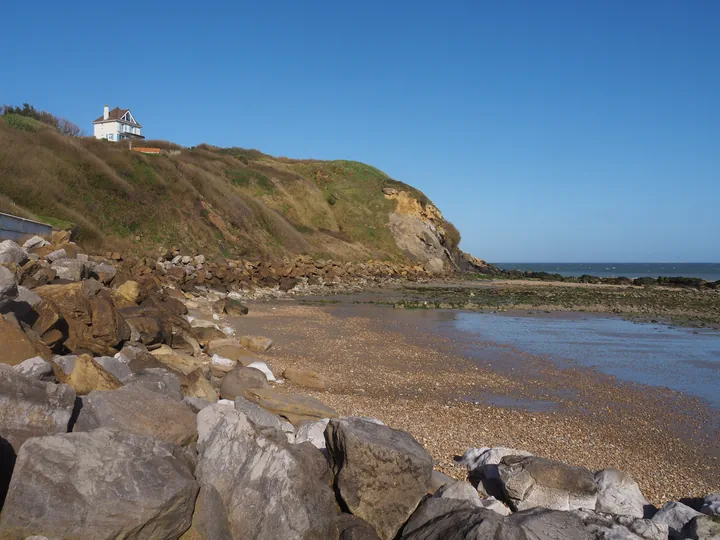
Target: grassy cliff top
<point>227,200</point>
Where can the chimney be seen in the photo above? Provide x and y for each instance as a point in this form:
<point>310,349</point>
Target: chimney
<point>106,112</point>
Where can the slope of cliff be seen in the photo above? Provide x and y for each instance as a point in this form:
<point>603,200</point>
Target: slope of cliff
<point>218,200</point>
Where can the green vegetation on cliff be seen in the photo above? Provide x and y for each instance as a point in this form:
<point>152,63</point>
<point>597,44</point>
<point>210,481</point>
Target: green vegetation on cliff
<point>228,200</point>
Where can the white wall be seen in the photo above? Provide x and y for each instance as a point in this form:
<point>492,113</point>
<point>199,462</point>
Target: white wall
<point>101,131</point>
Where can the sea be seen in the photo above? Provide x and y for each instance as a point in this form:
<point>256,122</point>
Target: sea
<point>706,271</point>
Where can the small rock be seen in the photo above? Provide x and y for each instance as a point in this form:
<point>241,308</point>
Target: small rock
<point>293,407</point>
<point>8,287</point>
<point>256,343</point>
<point>306,378</point>
<point>158,380</point>
<point>132,291</point>
<point>34,242</point>
<point>56,255</point>
<point>618,493</point>
<point>69,269</point>
<point>83,373</point>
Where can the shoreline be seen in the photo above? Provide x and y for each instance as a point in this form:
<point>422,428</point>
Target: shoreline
<point>414,381</point>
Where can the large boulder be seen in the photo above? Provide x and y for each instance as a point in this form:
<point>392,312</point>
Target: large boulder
<point>381,474</point>
<point>36,368</point>
<point>140,411</point>
<point>100,485</point>
<point>145,327</point>
<point>530,481</point>
<point>8,287</point>
<point>702,528</point>
<point>711,504</point>
<point>83,373</point>
<point>69,269</point>
<point>10,252</point>
<point>31,408</point>
<point>210,517</point>
<point>294,408</point>
<point>102,332</point>
<point>158,380</point>
<point>618,493</point>
<point>239,380</point>
<point>621,527</point>
<point>454,519</point>
<point>269,488</point>
<point>675,515</point>
<point>262,418</point>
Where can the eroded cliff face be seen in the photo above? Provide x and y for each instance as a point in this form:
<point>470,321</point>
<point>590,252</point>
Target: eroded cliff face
<point>418,230</point>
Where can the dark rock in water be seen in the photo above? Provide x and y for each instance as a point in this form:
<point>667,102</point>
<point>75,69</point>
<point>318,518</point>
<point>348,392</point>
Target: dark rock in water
<point>269,488</point>
<point>381,474</point>
<point>99,485</point>
<point>530,481</point>
<point>240,379</point>
<point>139,411</point>
<point>31,408</point>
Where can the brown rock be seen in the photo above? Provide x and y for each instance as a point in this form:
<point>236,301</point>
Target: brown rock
<point>144,328</point>
<point>227,348</point>
<point>239,380</point>
<point>294,407</point>
<point>194,384</point>
<point>107,325</point>
<point>48,316</point>
<point>205,335</point>
<point>256,343</point>
<point>15,345</point>
<point>301,377</point>
<point>131,291</point>
<point>183,363</point>
<point>84,374</point>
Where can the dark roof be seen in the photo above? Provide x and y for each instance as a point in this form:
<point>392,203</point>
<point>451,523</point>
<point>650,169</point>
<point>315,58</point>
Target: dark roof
<point>115,114</point>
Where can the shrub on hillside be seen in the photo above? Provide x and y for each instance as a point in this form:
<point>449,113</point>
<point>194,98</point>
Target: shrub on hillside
<point>64,126</point>
<point>452,236</point>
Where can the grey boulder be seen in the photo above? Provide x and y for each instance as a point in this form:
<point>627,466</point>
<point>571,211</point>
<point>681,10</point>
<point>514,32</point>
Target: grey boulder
<point>115,367</point>
<point>675,515</point>
<point>264,419</point>
<point>10,252</point>
<point>381,474</point>
<point>30,408</point>
<point>621,527</point>
<point>35,242</point>
<point>139,411</point>
<point>8,287</point>
<point>530,481</point>
<point>35,368</point>
<point>269,488</point>
<point>711,504</point>
<point>99,485</point>
<point>702,528</point>
<point>69,269</point>
<point>158,380</point>
<point>618,493</point>
<point>482,465</point>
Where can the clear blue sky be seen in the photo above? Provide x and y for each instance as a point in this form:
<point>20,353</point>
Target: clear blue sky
<point>545,130</point>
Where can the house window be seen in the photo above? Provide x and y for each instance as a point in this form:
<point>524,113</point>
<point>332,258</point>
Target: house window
<point>110,137</point>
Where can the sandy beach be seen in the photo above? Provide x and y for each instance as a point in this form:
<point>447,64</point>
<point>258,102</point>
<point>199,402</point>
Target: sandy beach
<point>387,363</point>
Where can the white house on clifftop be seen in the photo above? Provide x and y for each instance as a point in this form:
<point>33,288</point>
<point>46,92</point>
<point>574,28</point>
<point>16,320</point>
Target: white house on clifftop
<point>117,125</point>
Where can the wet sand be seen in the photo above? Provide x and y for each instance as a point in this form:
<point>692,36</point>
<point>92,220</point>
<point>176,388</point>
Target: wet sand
<point>396,366</point>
